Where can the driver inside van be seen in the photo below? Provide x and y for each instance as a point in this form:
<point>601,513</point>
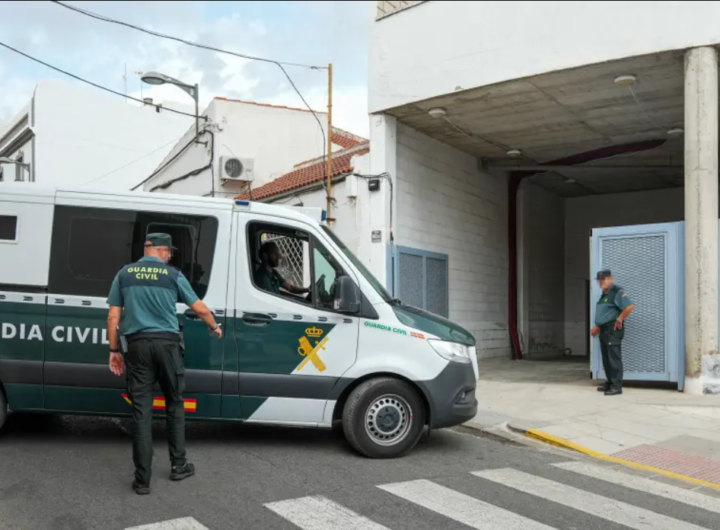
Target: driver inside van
<point>267,276</point>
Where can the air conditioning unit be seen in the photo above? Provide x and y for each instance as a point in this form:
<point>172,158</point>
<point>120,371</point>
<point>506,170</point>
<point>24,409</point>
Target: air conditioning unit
<point>236,169</point>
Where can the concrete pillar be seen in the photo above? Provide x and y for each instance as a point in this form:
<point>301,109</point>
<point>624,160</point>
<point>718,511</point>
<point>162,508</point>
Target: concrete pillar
<point>375,213</point>
<point>701,219</point>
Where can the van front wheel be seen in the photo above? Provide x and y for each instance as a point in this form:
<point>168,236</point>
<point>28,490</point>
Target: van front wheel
<point>383,418</point>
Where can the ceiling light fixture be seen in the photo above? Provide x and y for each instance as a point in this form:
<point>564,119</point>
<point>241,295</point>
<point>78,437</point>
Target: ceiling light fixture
<point>675,132</point>
<point>437,113</point>
<point>625,80</point>
<point>514,153</point>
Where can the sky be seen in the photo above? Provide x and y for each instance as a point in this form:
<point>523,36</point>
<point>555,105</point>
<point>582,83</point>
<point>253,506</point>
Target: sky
<point>314,33</point>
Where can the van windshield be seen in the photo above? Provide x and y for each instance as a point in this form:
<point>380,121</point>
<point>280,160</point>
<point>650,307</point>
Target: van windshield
<point>355,261</point>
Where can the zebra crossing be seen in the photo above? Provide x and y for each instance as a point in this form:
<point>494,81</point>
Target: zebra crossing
<point>322,513</point>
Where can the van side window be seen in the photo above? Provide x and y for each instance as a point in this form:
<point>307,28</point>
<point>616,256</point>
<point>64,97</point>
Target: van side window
<point>326,271</point>
<point>8,227</point>
<point>90,245</point>
<point>292,264</point>
<point>279,260</point>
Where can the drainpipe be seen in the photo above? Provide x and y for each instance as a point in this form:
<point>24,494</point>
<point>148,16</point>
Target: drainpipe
<point>514,182</point>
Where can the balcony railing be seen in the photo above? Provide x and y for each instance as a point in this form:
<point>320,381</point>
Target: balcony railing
<point>385,8</point>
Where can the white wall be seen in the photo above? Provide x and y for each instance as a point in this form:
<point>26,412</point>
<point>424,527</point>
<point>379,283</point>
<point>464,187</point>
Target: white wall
<point>443,47</point>
<point>345,212</point>
<point>275,138</point>
<point>83,134</point>
<point>10,132</point>
<point>541,274</point>
<point>585,213</point>
<point>446,205</point>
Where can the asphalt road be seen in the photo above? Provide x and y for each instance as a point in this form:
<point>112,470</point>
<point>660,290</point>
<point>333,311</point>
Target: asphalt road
<point>74,473</point>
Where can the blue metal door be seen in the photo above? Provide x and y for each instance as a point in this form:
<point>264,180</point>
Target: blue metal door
<point>647,261</point>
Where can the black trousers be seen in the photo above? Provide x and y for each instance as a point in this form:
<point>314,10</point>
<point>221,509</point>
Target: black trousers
<point>611,348</point>
<point>149,360</point>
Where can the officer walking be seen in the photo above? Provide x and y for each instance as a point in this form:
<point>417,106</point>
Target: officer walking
<point>142,304</point>
<point>613,308</point>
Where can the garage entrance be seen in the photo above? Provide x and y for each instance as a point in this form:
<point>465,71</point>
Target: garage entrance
<point>576,151</point>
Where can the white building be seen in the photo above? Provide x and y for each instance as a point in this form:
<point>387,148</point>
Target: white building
<point>75,136</point>
<point>511,129</point>
<point>268,140</point>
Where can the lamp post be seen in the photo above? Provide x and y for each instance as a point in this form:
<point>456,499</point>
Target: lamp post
<point>6,160</point>
<point>156,78</point>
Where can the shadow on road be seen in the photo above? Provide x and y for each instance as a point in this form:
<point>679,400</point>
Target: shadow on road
<point>75,431</point>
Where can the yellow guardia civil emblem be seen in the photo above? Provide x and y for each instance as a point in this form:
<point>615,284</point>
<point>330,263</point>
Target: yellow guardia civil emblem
<point>309,351</point>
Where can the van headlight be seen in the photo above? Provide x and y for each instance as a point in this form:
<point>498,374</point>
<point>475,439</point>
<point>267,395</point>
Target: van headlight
<point>452,351</point>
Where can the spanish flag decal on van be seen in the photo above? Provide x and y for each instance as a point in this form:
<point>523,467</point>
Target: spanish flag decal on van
<point>159,403</point>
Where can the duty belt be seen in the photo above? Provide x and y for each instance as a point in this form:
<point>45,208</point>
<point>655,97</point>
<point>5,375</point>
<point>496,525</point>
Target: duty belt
<point>174,337</point>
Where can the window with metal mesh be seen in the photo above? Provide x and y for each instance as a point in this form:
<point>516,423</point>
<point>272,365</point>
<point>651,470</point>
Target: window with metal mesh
<point>292,252</point>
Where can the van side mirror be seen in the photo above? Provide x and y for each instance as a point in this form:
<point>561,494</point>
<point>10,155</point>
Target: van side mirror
<point>347,296</point>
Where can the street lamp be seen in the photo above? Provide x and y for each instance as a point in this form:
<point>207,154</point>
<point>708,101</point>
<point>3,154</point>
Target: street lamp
<point>6,160</point>
<point>156,78</point>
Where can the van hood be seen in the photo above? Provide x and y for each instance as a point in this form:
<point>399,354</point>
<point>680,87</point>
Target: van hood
<point>434,324</point>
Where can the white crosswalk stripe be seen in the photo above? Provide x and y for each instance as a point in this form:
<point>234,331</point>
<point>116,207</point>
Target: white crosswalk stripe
<point>320,513</point>
<point>186,523</point>
<point>460,507</point>
<point>584,501</point>
<point>647,485</point>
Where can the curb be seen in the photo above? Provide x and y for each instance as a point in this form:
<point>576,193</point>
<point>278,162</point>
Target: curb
<point>537,434</point>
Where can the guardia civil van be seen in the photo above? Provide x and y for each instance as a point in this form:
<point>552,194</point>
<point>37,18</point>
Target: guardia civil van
<point>346,353</point>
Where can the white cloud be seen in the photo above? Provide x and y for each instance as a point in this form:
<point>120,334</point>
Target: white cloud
<point>101,51</point>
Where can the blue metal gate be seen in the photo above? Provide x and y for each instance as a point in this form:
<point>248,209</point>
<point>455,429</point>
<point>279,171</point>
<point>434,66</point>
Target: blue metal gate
<point>646,260</point>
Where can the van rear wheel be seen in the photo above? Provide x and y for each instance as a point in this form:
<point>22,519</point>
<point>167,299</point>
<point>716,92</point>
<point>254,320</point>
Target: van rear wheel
<point>383,418</point>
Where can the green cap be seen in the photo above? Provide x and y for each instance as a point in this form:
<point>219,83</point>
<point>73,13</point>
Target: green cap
<point>604,274</point>
<point>159,240</point>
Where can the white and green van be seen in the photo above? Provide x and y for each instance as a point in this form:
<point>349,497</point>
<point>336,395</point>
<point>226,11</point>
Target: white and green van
<point>347,352</point>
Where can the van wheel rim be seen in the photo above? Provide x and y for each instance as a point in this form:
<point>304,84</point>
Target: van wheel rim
<point>388,420</point>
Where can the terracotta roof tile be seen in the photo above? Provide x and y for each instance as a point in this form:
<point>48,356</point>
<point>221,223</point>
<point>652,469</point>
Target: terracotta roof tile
<point>309,174</point>
<point>346,139</point>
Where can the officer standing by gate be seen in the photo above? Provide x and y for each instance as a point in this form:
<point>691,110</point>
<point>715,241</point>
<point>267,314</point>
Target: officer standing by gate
<point>142,305</point>
<point>613,308</point>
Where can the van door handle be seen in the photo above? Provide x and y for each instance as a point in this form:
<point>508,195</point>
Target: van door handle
<point>191,315</point>
<point>257,319</point>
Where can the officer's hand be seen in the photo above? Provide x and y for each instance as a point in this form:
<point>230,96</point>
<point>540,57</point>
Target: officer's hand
<point>217,331</point>
<point>595,331</point>
<point>618,324</point>
<point>117,365</point>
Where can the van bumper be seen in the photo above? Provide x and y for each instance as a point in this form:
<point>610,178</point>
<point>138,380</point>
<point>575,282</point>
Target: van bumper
<point>451,396</point>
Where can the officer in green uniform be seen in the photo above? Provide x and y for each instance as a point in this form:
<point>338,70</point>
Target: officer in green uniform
<point>267,276</point>
<point>142,305</point>
<point>613,308</point>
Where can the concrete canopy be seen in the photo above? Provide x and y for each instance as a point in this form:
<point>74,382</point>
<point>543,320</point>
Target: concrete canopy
<point>568,112</point>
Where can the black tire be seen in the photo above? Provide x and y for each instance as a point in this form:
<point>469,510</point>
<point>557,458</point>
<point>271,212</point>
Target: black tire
<point>3,408</point>
<point>392,400</point>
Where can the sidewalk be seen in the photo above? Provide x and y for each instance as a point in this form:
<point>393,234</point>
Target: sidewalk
<point>652,429</point>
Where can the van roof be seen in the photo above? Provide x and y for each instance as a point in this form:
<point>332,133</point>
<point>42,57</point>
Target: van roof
<point>30,189</point>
